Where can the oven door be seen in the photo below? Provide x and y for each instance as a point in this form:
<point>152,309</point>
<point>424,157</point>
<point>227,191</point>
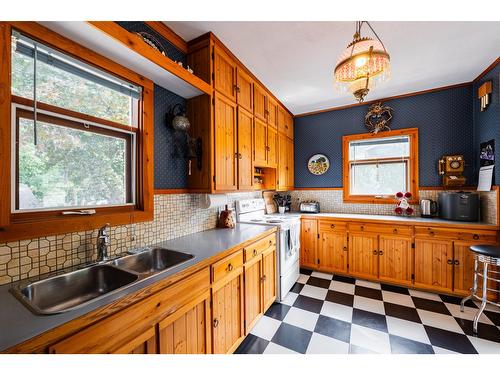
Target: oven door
<point>289,248</point>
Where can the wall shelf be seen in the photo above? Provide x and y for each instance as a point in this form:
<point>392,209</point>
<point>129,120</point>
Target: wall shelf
<point>114,42</point>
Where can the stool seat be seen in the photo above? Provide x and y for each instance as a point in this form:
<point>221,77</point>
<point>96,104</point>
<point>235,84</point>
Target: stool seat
<point>488,250</point>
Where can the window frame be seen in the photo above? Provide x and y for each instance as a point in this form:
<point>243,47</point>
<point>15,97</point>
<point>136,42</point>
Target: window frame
<point>27,225</point>
<point>412,170</point>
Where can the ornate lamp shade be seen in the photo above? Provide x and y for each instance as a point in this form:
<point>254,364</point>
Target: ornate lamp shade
<point>362,65</point>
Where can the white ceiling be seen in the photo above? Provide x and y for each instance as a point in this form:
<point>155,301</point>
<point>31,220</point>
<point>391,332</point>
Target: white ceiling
<point>295,60</point>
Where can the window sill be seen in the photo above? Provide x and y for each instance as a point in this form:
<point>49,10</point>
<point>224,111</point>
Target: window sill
<point>362,199</point>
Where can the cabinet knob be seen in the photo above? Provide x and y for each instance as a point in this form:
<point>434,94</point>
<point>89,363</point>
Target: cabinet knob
<point>216,322</point>
<point>254,252</point>
<point>432,233</point>
<point>229,267</point>
<point>394,231</point>
<point>475,236</point>
<point>345,248</point>
<point>332,226</point>
<point>380,252</point>
<point>236,88</point>
<point>375,252</point>
<point>263,279</point>
<point>362,227</point>
<point>449,261</point>
<point>456,262</point>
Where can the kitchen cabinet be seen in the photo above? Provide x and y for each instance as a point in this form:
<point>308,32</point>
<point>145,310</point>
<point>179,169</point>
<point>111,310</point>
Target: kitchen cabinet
<point>188,331</point>
<point>260,102</point>
<point>254,301</point>
<point>363,254</point>
<point>245,150</point>
<point>434,264</point>
<point>309,243</point>
<point>260,142</point>
<point>332,251</point>
<point>395,259</point>
<point>244,90</point>
<point>224,73</point>
<point>272,147</point>
<point>289,125</point>
<point>225,144</point>
<point>285,163</point>
<point>272,113</point>
<point>269,277</point>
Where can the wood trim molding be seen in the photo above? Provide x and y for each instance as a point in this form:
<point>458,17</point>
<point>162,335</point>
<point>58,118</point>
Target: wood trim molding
<point>464,84</point>
<point>5,122</point>
<point>168,34</point>
<point>171,191</point>
<point>484,72</point>
<point>317,188</point>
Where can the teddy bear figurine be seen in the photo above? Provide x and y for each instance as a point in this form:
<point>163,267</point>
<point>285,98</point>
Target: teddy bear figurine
<point>402,206</point>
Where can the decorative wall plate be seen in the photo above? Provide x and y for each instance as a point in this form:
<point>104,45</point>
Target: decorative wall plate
<point>318,164</point>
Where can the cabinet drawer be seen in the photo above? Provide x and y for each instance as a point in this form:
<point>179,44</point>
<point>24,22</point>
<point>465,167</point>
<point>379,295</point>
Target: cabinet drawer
<point>401,230</point>
<point>330,225</point>
<point>453,234</point>
<point>227,265</point>
<point>260,246</point>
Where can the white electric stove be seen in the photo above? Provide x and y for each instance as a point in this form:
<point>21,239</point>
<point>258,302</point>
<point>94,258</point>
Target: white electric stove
<point>253,211</point>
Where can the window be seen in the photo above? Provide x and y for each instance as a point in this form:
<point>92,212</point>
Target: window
<point>76,134</point>
<point>376,166</point>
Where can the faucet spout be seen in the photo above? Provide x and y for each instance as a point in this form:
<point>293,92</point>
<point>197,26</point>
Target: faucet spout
<point>103,243</point>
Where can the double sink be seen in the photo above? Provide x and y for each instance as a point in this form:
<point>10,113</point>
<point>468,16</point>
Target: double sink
<point>72,290</point>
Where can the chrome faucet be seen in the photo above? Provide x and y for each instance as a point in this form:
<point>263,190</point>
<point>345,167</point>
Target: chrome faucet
<point>103,243</point>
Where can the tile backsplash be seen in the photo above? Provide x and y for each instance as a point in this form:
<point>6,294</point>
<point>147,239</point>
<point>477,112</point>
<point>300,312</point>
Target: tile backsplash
<point>332,201</point>
<point>175,215</point>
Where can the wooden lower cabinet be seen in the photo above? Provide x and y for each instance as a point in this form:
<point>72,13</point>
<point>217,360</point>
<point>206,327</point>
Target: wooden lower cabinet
<point>309,243</point>
<point>142,344</point>
<point>188,331</point>
<point>228,313</point>
<point>269,277</point>
<point>434,264</point>
<point>363,254</point>
<point>332,252</point>
<point>254,301</point>
<point>395,259</point>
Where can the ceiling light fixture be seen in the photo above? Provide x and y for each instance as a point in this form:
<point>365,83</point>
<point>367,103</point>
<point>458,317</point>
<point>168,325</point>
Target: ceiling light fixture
<point>362,65</point>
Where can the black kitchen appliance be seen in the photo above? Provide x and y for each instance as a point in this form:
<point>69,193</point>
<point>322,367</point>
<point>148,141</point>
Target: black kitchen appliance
<point>460,206</point>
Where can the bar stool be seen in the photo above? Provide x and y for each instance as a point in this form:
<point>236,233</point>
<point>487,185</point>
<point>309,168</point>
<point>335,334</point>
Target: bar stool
<point>486,255</point>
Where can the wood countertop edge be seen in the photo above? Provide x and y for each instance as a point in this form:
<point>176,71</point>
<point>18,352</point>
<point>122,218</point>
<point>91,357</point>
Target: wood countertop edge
<point>459,225</point>
<point>40,342</point>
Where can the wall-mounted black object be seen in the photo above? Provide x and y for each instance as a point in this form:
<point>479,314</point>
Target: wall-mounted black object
<point>178,120</point>
<point>487,153</point>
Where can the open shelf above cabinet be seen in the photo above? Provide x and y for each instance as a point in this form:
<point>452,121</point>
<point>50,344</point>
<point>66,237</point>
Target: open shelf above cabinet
<point>114,42</point>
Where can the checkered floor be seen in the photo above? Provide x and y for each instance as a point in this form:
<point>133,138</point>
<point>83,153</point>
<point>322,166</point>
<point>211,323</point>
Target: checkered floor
<point>336,314</point>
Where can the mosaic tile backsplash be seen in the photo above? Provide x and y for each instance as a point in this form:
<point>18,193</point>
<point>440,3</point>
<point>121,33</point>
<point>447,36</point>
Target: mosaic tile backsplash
<point>175,215</point>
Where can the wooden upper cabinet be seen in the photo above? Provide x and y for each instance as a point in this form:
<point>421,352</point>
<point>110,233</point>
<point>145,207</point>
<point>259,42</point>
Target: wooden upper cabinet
<point>245,150</point>
<point>272,147</point>
<point>225,144</point>
<point>309,243</point>
<point>244,90</point>
<point>282,182</point>
<point>332,251</point>
<point>395,259</point>
<point>290,177</point>
<point>225,73</point>
<point>272,112</point>
<point>281,120</point>
<point>363,254</point>
<point>434,264</point>
<point>228,313</point>
<point>260,102</point>
<point>289,125</point>
<point>260,143</point>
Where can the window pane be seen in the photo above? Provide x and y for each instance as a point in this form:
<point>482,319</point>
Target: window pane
<point>70,167</point>
<point>63,89</point>
<point>379,148</point>
<point>378,179</point>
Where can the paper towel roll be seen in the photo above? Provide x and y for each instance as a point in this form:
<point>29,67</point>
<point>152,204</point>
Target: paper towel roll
<point>213,200</point>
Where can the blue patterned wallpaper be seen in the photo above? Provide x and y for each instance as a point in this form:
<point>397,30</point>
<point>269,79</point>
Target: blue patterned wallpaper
<point>487,123</point>
<point>444,119</point>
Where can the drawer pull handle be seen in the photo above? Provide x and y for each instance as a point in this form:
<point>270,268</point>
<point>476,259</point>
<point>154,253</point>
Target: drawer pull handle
<point>229,267</point>
<point>449,261</point>
<point>395,231</point>
<point>332,226</point>
<point>432,233</point>
<point>456,262</point>
<point>362,227</point>
<point>380,252</point>
<point>254,252</point>
<point>345,248</point>
<point>216,322</point>
<point>270,242</point>
<point>375,252</point>
<point>475,236</point>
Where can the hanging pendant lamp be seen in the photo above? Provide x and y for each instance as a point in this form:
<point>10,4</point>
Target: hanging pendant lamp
<point>362,65</point>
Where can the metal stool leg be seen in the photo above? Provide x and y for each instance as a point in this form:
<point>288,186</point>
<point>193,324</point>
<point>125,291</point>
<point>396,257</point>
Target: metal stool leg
<point>473,290</point>
<point>484,299</point>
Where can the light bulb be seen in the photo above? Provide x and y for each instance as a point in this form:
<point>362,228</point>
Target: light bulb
<point>360,61</point>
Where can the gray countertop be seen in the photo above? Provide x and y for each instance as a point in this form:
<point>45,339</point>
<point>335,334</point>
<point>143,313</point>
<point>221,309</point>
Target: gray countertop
<point>18,324</point>
<point>415,220</point>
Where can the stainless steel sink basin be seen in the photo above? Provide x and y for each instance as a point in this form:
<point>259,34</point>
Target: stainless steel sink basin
<point>71,290</point>
<point>152,260</point>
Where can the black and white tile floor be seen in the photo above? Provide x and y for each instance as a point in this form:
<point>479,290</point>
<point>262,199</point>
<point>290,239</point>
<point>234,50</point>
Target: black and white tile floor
<point>327,313</point>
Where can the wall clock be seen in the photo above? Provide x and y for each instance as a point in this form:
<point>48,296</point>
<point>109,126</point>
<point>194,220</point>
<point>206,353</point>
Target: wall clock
<point>318,164</point>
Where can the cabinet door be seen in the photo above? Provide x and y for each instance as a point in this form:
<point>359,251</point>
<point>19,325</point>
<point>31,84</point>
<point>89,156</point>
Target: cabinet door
<point>253,292</point>
<point>188,331</point>
<point>309,243</point>
<point>228,314</point>
<point>269,276</point>
<point>260,102</point>
<point>244,90</point>
<point>142,344</point>
<point>282,162</point>
<point>434,264</point>
<point>282,120</point>
<point>289,125</point>
<point>245,150</point>
<point>225,144</point>
<point>332,252</point>
<point>289,165</point>
<point>363,254</point>
<point>272,147</point>
<point>225,74</point>
<point>260,143</point>
<point>395,259</point>
<point>272,112</point>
